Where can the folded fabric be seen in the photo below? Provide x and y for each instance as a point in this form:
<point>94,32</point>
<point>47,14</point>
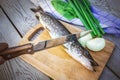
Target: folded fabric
<point>109,22</point>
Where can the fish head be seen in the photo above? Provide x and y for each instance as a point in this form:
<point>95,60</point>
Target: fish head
<point>43,17</point>
<point>38,12</point>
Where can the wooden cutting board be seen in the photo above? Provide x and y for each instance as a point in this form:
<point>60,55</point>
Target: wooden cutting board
<point>57,64</point>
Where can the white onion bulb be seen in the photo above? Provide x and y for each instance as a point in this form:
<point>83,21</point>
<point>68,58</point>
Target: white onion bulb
<point>84,39</point>
<point>96,44</point>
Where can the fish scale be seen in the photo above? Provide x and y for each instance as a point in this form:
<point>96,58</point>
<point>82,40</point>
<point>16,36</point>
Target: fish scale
<point>74,49</point>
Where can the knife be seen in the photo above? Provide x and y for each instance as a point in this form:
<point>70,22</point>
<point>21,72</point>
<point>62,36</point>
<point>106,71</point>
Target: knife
<point>42,45</point>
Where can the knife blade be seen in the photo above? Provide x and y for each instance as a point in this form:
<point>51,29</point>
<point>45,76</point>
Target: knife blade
<point>58,41</point>
<point>42,45</point>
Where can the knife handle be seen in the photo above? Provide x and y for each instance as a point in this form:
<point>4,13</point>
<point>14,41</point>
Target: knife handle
<point>17,51</point>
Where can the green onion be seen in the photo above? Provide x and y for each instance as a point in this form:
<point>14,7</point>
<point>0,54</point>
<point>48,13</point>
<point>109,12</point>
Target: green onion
<point>82,10</point>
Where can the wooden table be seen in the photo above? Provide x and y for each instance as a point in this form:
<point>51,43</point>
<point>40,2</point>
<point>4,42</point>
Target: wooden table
<point>15,20</point>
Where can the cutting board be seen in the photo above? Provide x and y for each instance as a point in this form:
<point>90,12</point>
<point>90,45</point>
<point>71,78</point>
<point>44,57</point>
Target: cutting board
<point>57,64</point>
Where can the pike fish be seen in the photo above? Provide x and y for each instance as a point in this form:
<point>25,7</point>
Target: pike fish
<point>56,30</point>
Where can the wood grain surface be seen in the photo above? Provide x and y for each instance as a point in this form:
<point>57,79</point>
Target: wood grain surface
<point>113,62</point>
<point>19,15</point>
<point>56,63</point>
<point>6,28</point>
<point>15,69</point>
<point>110,75</point>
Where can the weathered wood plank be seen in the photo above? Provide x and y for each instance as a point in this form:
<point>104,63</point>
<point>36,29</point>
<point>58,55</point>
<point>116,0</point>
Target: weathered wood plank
<point>114,39</point>
<point>21,16</point>
<point>108,75</point>
<point>7,34</point>
<point>23,71</point>
<point>19,13</point>
<point>15,69</point>
<point>114,7</point>
<point>6,29</point>
<point>113,63</point>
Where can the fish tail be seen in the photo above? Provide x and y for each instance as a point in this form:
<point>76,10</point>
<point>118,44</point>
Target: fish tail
<point>87,54</point>
<point>37,9</point>
<point>94,63</point>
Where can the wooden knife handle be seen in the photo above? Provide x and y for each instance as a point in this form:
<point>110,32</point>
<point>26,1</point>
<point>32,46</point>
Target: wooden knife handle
<point>17,51</point>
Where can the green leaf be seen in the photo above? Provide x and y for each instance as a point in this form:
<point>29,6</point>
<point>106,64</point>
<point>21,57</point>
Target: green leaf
<point>64,9</point>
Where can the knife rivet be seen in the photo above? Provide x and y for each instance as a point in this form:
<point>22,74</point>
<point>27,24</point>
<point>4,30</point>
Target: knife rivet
<point>9,56</point>
<point>29,50</point>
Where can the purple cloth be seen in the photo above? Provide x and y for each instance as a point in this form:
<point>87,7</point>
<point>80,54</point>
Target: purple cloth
<point>108,19</point>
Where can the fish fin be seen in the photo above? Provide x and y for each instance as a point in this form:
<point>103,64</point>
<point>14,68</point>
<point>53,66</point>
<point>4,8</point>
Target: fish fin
<point>49,31</point>
<point>50,34</point>
<point>37,17</point>
<point>66,49</point>
<point>64,46</point>
<point>87,54</point>
<point>37,9</point>
<point>94,63</point>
